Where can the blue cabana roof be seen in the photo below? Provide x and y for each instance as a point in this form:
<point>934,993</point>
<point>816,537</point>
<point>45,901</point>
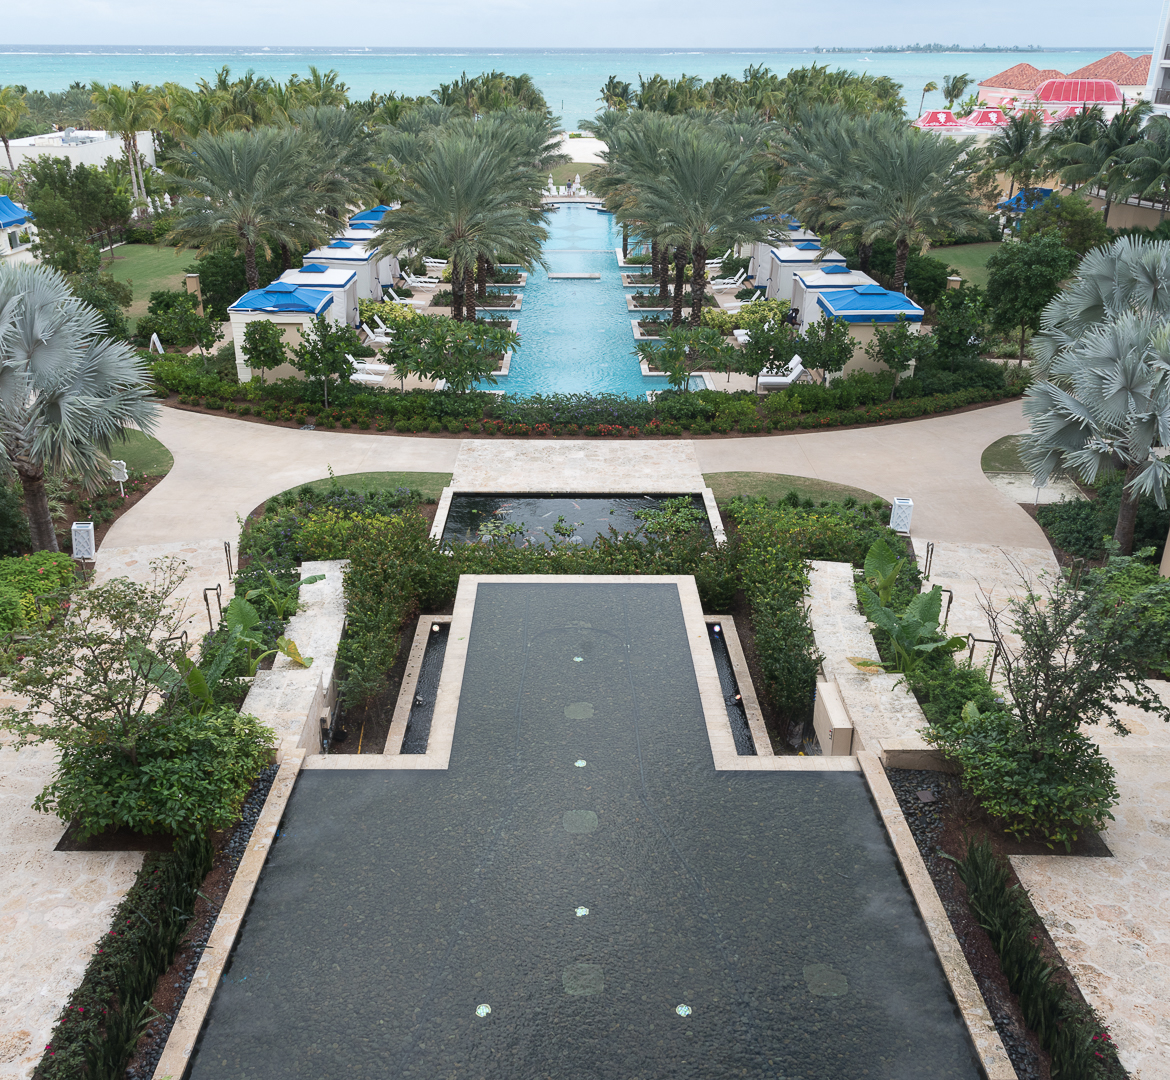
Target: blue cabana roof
<point>314,268</point>
<point>372,215</point>
<point>355,224</point>
<point>341,244</point>
<point>868,303</point>
<point>287,297</point>
<point>808,245</point>
<point>836,268</point>
<point>12,214</point>
<point>1025,200</point>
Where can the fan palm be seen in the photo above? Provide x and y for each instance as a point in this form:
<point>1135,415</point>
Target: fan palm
<point>13,110</point>
<point>127,112</point>
<point>244,190</point>
<point>67,391</point>
<point>706,198</point>
<point>917,189</point>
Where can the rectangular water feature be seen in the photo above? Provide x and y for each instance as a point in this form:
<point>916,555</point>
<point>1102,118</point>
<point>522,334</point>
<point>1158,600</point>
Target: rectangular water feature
<point>580,894</point>
<point>585,516</point>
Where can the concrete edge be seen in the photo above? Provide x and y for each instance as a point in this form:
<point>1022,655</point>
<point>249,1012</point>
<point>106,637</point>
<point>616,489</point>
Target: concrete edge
<point>743,678</point>
<point>441,512</point>
<point>176,1055</point>
<point>969,999</point>
<point>401,718</point>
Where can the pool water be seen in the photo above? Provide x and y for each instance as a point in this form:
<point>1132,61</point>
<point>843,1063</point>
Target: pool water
<point>575,335</point>
<point>580,895</point>
<point>587,516</point>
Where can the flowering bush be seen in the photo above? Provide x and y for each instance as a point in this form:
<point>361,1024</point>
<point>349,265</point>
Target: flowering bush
<point>24,578</point>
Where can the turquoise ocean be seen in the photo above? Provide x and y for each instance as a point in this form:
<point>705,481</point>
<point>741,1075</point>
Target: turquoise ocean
<point>569,78</point>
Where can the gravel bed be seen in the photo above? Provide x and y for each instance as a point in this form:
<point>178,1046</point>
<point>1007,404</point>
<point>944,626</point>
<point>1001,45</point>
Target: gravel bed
<point>927,820</point>
<point>150,1050</point>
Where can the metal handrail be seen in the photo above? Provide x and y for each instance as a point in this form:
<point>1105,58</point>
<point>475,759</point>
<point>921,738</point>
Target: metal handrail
<point>972,641</point>
<point>227,554</point>
<point>218,590</point>
<point>928,561</point>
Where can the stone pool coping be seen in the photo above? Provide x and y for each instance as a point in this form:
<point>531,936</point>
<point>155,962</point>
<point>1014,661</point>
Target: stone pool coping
<point>176,1055</point>
<point>410,676</point>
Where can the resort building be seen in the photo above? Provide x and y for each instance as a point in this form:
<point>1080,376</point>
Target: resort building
<point>80,147</point>
<point>16,233</point>
<point>354,251</point>
<point>342,282</point>
<point>1019,81</point>
<point>784,262</point>
<point>808,284</point>
<point>863,308</point>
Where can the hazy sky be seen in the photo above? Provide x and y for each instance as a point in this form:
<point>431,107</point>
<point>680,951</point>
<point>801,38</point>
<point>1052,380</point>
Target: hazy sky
<point>589,24</point>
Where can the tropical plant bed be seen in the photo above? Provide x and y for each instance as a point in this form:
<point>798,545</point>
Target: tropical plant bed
<point>653,300</point>
<point>841,419</point>
<point>103,508</point>
<point>942,828</point>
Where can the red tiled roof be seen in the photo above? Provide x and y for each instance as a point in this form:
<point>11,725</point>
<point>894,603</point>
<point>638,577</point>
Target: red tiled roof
<point>1123,69</point>
<point>1077,91</point>
<point>1021,77</point>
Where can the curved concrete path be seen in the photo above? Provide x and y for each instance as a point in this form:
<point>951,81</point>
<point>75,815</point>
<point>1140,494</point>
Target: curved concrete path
<point>227,467</point>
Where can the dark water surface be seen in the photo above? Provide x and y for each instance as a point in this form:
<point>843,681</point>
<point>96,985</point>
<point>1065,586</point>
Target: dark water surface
<point>394,904</point>
<point>587,516</point>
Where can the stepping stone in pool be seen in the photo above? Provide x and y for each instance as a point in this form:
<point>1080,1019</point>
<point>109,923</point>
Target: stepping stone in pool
<point>579,710</point>
<point>579,821</point>
<point>823,981</point>
<point>583,979</point>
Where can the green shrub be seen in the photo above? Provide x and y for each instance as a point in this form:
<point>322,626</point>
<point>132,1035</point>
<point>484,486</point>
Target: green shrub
<point>189,776</point>
<point>30,576</point>
<point>1080,527</point>
<point>14,534</point>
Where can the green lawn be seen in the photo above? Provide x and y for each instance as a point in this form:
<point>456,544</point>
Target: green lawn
<point>431,484</point>
<point>969,259</point>
<point>148,268</point>
<point>143,454</point>
<point>562,174</point>
<point>1003,455</point>
<point>774,486</point>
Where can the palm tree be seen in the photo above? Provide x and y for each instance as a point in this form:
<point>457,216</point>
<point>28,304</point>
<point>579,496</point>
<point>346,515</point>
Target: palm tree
<point>341,154</point>
<point>929,88</point>
<point>67,391</point>
<point>1017,149</point>
<point>1148,164</point>
<point>953,87</point>
<point>127,112</point>
<point>13,110</point>
<point>468,198</point>
<point>244,190</point>
<point>616,94</point>
<point>707,197</point>
<point>1102,159</point>
<point>917,189</point>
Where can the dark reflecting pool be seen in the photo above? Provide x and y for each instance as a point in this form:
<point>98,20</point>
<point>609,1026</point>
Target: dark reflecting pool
<point>580,895</point>
<point>581,518</point>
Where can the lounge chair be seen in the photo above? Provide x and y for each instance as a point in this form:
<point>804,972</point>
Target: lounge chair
<point>723,284</point>
<point>373,338</point>
<point>364,367</point>
<point>362,379</point>
<point>435,264</point>
<point>769,382</point>
<point>389,289</point>
<point>742,336</point>
<point>427,282</point>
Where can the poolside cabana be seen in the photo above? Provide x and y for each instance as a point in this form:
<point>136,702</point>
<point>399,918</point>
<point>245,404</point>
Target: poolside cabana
<point>372,216</point>
<point>354,252</point>
<point>15,222</point>
<point>864,307</point>
<point>290,307</point>
<point>808,284</point>
<point>340,281</point>
<point>938,120</point>
<point>786,261</point>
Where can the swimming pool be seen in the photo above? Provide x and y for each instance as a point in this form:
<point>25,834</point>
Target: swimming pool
<point>575,334</point>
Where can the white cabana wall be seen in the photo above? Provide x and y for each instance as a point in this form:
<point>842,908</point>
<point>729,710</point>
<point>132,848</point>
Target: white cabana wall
<point>341,282</point>
<point>787,261</point>
<point>808,284</point>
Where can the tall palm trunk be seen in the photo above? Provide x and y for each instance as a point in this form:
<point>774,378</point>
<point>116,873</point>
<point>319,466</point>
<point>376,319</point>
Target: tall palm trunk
<point>36,503</point>
<point>680,269</point>
<point>655,259</point>
<point>698,283</point>
<point>250,274</point>
<point>664,275</point>
<point>8,151</point>
<point>469,294</point>
<point>864,251</point>
<point>901,258</point>
<point>480,277</point>
<point>456,291</point>
<point>1105,208</point>
<point>1126,514</point>
<point>625,240</point>
<point>285,258</point>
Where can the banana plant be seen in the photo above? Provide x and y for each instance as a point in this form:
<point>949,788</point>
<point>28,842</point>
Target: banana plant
<point>882,567</point>
<point>281,597</point>
<point>914,634</point>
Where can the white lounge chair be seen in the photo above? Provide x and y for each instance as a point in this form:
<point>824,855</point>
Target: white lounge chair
<point>768,382</point>
<point>435,264</point>
<point>374,338</point>
<point>427,282</point>
<point>723,284</point>
<point>742,336</point>
<point>402,300</point>
<point>363,379</point>
<point>364,367</point>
